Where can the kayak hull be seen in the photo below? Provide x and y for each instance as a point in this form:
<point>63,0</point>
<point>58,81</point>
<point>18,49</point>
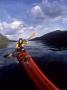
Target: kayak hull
<point>34,72</point>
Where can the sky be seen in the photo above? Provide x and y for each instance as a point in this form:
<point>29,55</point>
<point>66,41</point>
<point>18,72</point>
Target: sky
<point>20,18</point>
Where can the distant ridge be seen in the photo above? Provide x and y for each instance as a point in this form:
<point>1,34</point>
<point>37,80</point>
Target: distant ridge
<point>56,38</point>
<point>3,41</point>
<point>51,34</point>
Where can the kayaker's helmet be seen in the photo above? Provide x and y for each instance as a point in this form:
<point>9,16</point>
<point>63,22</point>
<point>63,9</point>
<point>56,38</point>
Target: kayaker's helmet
<point>20,40</point>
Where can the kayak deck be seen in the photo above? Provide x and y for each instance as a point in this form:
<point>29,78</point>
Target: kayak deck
<point>38,77</point>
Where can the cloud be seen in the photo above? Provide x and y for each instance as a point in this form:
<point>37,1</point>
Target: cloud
<point>12,25</point>
<point>43,29</point>
<point>16,29</point>
<point>36,11</point>
<point>50,9</point>
<point>41,16</point>
<point>64,20</point>
<point>45,10</point>
<point>16,24</point>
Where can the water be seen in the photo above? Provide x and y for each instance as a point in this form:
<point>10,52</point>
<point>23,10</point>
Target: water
<point>52,62</point>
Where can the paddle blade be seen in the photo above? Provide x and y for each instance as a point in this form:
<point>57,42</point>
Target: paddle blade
<point>32,35</point>
<point>8,55</point>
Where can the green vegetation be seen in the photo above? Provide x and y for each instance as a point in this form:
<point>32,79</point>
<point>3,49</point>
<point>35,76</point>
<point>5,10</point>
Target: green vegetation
<point>3,41</point>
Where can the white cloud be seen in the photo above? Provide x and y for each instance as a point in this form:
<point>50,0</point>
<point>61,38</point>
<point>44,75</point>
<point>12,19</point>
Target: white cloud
<point>36,11</point>
<point>49,9</point>
<point>11,25</point>
<point>64,20</point>
<point>16,29</point>
<point>16,24</point>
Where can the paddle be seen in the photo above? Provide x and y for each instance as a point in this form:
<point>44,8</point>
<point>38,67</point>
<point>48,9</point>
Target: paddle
<point>11,54</point>
<point>8,55</point>
<point>31,36</point>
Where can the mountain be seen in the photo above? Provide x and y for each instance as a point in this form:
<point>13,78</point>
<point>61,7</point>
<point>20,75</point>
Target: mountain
<point>3,41</point>
<point>56,38</point>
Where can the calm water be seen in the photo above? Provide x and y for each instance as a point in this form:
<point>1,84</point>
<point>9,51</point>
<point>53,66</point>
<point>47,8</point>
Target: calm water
<point>53,63</point>
<point>36,49</point>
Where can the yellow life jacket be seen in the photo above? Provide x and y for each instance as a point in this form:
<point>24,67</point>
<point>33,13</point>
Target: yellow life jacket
<point>25,43</point>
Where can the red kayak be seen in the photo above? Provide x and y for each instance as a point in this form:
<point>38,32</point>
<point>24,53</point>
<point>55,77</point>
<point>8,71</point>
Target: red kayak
<point>38,77</point>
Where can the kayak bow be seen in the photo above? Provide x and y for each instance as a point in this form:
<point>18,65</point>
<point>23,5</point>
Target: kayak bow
<point>38,77</point>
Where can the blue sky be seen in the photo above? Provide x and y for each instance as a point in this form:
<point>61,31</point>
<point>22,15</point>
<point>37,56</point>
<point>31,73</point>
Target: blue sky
<point>19,18</point>
<point>16,9</point>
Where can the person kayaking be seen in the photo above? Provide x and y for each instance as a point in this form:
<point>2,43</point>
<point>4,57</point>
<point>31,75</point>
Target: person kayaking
<point>21,44</point>
<point>20,47</point>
